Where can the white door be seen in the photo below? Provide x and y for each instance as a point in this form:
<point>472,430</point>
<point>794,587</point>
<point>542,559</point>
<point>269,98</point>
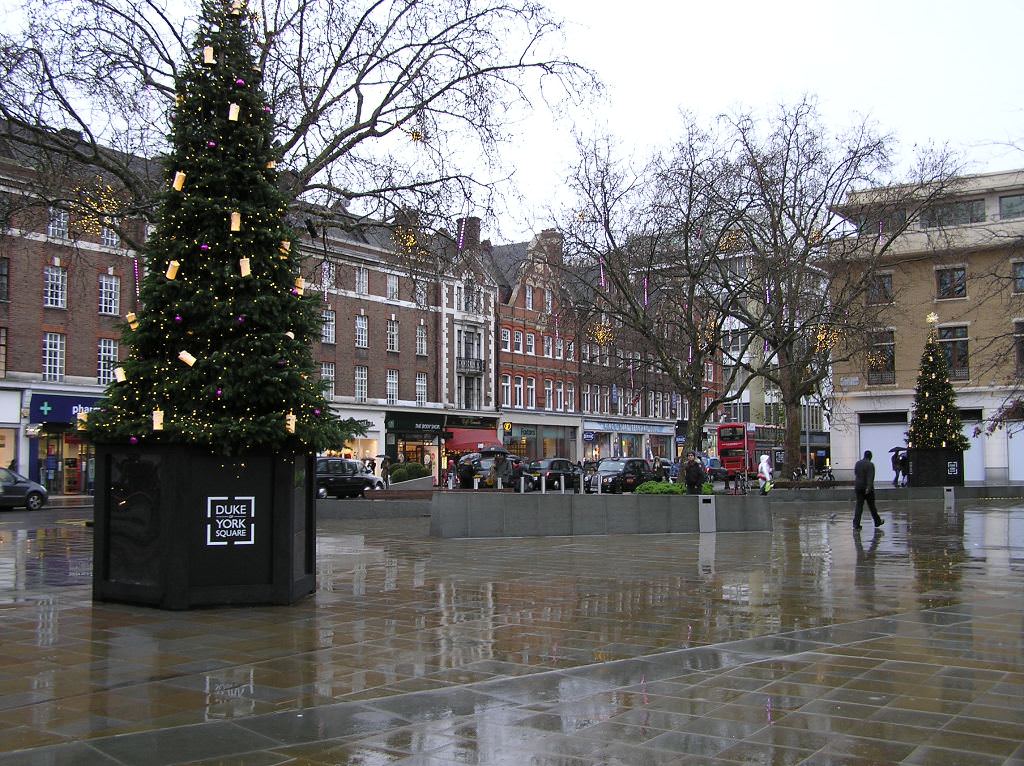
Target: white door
<point>880,438</point>
<point>974,458</point>
<point>1015,454</point>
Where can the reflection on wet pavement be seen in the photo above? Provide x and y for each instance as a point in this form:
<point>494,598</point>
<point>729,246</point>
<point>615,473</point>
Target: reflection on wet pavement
<point>807,645</point>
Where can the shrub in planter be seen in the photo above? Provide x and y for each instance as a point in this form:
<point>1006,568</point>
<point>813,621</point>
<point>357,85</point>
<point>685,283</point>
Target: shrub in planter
<point>400,474</point>
<point>660,488</point>
<point>416,470</point>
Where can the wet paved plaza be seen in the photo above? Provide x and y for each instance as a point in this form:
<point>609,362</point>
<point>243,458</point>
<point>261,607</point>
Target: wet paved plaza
<point>808,645</point>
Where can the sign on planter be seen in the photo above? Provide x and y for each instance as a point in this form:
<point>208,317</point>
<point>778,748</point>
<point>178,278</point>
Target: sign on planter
<point>230,520</point>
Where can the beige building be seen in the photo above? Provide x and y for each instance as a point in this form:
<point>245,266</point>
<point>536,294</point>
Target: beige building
<point>964,262</point>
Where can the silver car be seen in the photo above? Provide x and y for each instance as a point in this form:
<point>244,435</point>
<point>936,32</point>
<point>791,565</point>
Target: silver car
<point>19,491</point>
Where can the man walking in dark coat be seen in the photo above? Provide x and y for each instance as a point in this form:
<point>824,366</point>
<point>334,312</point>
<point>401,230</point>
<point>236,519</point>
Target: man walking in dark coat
<point>693,474</point>
<point>864,488</point>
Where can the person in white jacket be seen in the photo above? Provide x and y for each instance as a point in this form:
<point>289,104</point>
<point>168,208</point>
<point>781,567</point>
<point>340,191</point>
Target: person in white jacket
<point>764,474</point>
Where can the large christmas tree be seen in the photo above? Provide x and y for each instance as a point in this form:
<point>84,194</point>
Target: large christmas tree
<point>936,420</point>
<point>220,351</point>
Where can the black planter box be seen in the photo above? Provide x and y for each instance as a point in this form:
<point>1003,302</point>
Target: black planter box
<point>936,468</point>
<point>177,527</point>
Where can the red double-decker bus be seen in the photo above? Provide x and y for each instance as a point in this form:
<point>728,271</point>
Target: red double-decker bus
<point>740,446</point>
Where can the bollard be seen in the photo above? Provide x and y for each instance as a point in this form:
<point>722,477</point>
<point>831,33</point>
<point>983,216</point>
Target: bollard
<point>476,482</point>
<point>561,485</point>
<point>706,513</point>
<point>597,480</point>
<point>543,484</point>
<point>498,483</point>
<point>522,485</point>
<point>948,498</point>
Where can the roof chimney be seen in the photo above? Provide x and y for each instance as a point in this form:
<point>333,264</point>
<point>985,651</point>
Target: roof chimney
<point>468,237</point>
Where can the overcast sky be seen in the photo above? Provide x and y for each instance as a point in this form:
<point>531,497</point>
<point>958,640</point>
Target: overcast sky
<point>926,71</point>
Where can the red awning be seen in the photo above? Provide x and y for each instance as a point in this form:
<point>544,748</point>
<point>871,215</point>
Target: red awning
<point>471,439</point>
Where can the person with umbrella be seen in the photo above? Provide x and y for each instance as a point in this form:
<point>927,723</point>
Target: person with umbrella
<point>897,465</point>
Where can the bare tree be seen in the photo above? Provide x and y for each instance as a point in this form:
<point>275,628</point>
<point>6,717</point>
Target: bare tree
<point>811,251</point>
<point>381,105</point>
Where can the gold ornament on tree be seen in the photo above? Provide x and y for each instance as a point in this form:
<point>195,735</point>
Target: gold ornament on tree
<point>172,270</point>
<point>119,375</point>
<point>208,57</point>
<point>236,221</point>
<point>179,181</point>
<point>243,266</point>
<point>289,422</point>
<point>233,112</point>
<point>132,320</point>
<point>158,420</point>
<point>187,358</point>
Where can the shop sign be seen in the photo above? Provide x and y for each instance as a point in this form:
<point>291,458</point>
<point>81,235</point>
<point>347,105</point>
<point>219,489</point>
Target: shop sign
<point>420,423</point>
<point>230,521</point>
<point>589,436</point>
<point>56,408</point>
<point>630,428</point>
<point>527,431</point>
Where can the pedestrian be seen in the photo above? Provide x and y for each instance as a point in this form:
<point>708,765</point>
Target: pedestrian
<point>905,466</point>
<point>385,470</point>
<point>764,475</point>
<point>451,473</point>
<point>501,470</point>
<point>864,488</point>
<point>896,467</point>
<point>693,474</point>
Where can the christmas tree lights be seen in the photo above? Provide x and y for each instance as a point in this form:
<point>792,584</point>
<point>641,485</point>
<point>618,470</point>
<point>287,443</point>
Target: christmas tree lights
<point>220,352</point>
<point>935,422</point>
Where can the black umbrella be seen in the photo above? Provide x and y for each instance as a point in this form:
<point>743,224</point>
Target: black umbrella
<point>898,449</point>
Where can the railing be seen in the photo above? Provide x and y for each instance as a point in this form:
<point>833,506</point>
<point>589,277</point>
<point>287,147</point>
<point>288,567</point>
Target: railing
<point>469,364</point>
<point>959,373</point>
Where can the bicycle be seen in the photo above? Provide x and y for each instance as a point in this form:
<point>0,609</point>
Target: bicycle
<point>825,478</point>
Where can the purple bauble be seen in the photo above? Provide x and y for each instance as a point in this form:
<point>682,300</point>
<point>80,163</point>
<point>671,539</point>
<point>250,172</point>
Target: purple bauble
<point>178,318</point>
<point>204,247</point>
<point>211,144</point>
<point>316,411</point>
<point>219,392</point>
<point>133,440</point>
<point>240,318</point>
<point>239,82</point>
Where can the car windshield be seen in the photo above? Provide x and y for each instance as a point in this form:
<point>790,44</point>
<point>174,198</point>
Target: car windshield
<point>612,465</point>
<point>538,465</point>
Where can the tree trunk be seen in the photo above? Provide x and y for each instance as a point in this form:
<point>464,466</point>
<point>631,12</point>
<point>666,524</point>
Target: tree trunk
<point>696,427</point>
<point>794,425</point>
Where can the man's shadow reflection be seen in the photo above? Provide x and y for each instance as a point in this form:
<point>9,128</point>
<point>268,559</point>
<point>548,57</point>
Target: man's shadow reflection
<point>864,571</point>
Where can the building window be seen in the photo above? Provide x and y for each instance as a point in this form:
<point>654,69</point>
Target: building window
<point>5,276</point>
<point>548,301</point>
<point>506,390</point>
<point>529,298</point>
<point>570,397</point>
<point>327,377</point>
<point>517,392</point>
<point>110,295</point>
<point>55,287</point>
<point>362,333</point>
<point>392,386</point>
<point>392,287</point>
<point>106,361</point>
<point>53,357</point>
<point>585,398</point>
<point>951,282</point>
<point>531,393</point>
<point>421,294</point>
<point>570,352</point>
<point>517,346</point>
<point>549,398</point>
<point>954,343</point>
<point>392,335</point>
<point>1018,277</point>
<point>506,339</point>
<point>880,289</point>
<point>1011,206</point>
<point>954,214</point>
<point>109,236</point>
<point>607,400</point>
<point>531,347</point>
<point>548,346</point>
<point>57,227</point>
<point>328,274</point>
<point>559,348</point>
<point>421,388</point>
<point>882,358</point>
<point>361,377</point>
<point>421,340</point>
<point>327,330</point>
<point>362,280</point>
<point>1018,344</point>
<point>560,396</point>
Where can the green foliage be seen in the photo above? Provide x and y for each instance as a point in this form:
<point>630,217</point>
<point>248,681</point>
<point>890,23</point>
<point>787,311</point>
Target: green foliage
<point>660,488</point>
<point>399,474</point>
<point>416,470</point>
<point>936,419</point>
<point>250,335</point>
<point>707,488</point>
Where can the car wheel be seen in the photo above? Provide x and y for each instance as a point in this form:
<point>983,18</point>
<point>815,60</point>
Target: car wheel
<point>34,501</point>
<point>321,492</point>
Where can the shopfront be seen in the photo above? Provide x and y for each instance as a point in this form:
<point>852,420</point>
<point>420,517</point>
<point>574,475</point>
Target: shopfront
<point>534,441</point>
<point>644,439</point>
<point>413,437</point>
<point>60,459</point>
<point>370,444</point>
<point>10,418</point>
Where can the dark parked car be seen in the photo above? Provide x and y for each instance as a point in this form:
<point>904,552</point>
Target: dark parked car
<point>620,474</point>
<point>557,472</point>
<point>343,477</point>
<point>478,465</point>
<point>18,491</point>
<point>715,470</point>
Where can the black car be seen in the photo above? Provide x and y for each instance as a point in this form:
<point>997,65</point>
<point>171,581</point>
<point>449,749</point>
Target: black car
<point>16,490</point>
<point>715,470</point>
<point>557,473</point>
<point>477,465</point>
<point>343,477</point>
<point>620,475</point>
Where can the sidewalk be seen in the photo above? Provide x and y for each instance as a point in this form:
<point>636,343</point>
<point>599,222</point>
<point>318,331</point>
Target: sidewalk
<point>808,645</point>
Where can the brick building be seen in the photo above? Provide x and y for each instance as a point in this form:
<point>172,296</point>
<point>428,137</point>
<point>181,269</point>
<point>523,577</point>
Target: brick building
<point>963,262</point>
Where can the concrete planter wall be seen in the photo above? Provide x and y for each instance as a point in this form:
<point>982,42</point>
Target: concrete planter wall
<point>508,514</point>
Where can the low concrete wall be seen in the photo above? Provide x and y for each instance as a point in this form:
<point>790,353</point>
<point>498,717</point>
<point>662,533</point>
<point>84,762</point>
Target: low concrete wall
<point>889,494</point>
<point>508,514</point>
<point>330,508</point>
